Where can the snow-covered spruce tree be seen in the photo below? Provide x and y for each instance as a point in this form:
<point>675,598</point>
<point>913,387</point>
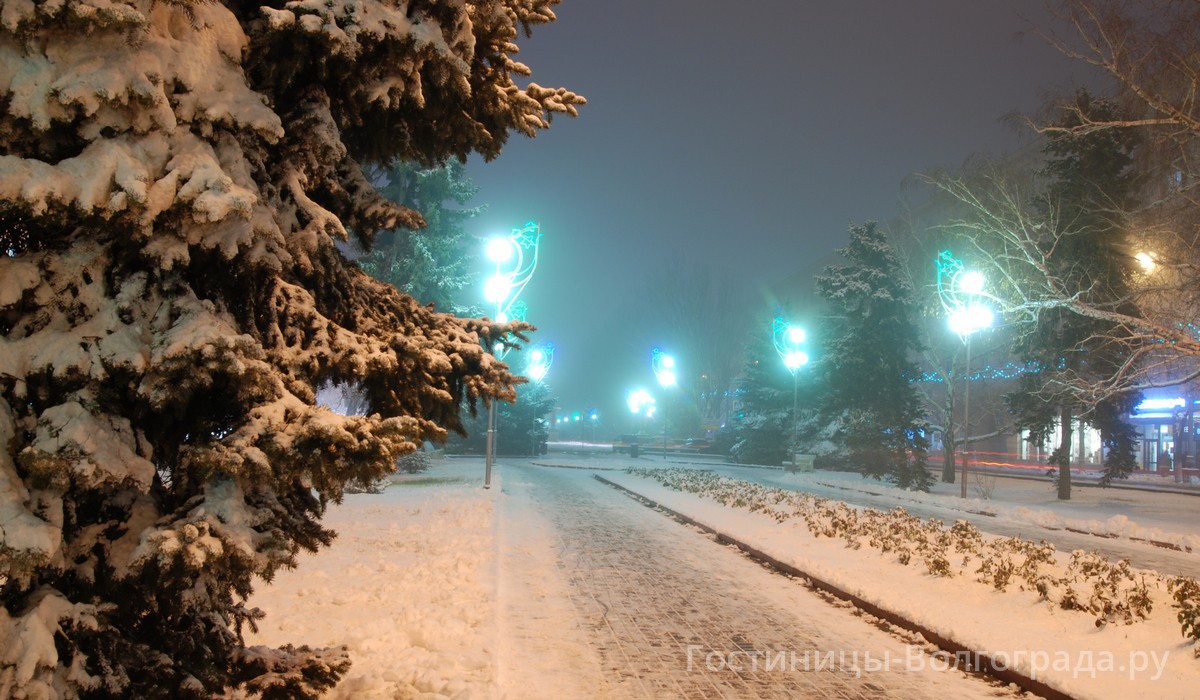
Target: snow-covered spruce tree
<point>173,178</point>
<point>431,264</point>
<point>763,429</point>
<point>867,362</point>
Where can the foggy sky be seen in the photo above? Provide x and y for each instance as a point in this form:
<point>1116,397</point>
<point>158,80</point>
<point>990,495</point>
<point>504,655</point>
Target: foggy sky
<point>746,136</point>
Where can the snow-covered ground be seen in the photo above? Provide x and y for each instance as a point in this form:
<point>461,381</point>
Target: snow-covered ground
<point>437,594</point>
<point>415,585</point>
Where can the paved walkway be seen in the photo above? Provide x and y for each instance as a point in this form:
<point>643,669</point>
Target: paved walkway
<point>672,614</point>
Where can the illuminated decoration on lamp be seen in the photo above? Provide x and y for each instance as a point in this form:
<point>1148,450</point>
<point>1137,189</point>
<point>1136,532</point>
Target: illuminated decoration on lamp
<point>516,257</point>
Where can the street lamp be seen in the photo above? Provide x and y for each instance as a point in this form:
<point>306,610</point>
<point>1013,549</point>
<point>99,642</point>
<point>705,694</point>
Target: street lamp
<point>962,296</point>
<point>664,370</point>
<point>641,404</point>
<point>787,339</point>
<point>515,257</point>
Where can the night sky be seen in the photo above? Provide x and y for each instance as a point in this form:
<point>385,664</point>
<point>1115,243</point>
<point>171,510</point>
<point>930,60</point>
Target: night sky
<point>745,136</point>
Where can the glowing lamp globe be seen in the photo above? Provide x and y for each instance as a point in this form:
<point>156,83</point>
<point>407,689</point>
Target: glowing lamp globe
<point>971,282</point>
<point>795,359</point>
<point>971,318</point>
<point>499,250</point>
<point>496,288</point>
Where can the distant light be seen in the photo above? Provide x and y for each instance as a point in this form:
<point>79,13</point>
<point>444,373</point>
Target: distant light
<point>668,362</point>
<point>1159,404</point>
<point>537,372</point>
<point>795,336</point>
<point>638,400</point>
<point>666,377</point>
<point>1146,260</point>
<point>499,250</point>
<point>536,355</point>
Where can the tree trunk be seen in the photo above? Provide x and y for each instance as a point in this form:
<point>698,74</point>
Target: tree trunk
<point>1064,446</point>
<point>948,462</point>
<point>948,435</point>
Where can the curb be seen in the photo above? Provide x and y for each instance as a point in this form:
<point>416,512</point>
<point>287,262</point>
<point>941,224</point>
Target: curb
<point>984,664</point>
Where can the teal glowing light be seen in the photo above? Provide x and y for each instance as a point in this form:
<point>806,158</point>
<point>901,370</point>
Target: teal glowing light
<point>515,257</point>
<point>540,359</point>
<point>787,339</point>
<point>961,292</point>
<point>663,366</point>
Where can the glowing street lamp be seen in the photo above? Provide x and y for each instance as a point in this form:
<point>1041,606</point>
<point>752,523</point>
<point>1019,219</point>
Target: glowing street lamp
<point>787,339</point>
<point>515,257</point>
<point>641,404</point>
<point>962,295</point>
<point>639,401</point>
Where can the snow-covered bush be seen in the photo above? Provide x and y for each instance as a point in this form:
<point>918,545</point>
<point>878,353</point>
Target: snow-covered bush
<point>1186,592</point>
<point>173,179</point>
<point>412,463</point>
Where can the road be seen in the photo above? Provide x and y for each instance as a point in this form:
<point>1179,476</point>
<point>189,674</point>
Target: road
<point>669,613</point>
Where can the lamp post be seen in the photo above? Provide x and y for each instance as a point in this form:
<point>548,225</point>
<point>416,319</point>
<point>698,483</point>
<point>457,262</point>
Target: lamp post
<point>961,293</point>
<point>664,370</point>
<point>787,339</point>
<point>515,257</point>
